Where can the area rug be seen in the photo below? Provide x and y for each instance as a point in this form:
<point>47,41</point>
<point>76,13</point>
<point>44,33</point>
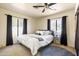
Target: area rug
<point>55,51</point>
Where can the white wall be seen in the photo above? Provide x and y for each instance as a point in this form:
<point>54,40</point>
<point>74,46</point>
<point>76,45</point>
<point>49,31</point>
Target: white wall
<point>71,24</point>
<point>31,26</point>
<point>3,22</point>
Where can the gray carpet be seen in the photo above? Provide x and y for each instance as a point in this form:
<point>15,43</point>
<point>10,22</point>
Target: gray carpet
<point>55,51</point>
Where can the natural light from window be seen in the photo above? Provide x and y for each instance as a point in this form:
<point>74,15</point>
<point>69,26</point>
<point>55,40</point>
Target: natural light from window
<point>56,25</point>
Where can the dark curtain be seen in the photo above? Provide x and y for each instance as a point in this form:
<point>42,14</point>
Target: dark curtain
<point>77,35</point>
<point>48,24</point>
<point>9,40</point>
<point>63,38</point>
<point>25,26</point>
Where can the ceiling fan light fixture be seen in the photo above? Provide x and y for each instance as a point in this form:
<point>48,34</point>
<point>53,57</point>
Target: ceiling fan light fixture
<point>46,6</point>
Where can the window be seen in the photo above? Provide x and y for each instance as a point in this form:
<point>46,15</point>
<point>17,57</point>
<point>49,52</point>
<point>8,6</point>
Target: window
<point>17,27</point>
<point>59,27</point>
<point>56,26</point>
<point>14,27</point>
<point>20,30</point>
<point>53,25</point>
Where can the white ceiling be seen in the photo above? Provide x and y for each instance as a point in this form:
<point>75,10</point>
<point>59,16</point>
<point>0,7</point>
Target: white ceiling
<point>27,9</point>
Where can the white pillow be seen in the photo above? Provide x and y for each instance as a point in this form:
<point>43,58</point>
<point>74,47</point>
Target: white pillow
<point>44,32</point>
<point>40,32</point>
<point>47,32</point>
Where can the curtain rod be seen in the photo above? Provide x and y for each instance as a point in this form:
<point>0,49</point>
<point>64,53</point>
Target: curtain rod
<point>15,16</point>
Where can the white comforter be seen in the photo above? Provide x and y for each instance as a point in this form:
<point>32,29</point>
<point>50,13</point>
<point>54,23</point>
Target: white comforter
<point>31,41</point>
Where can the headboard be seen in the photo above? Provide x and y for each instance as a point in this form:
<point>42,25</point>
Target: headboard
<point>47,30</point>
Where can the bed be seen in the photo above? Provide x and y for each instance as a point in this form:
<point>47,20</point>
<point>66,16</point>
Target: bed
<point>35,41</point>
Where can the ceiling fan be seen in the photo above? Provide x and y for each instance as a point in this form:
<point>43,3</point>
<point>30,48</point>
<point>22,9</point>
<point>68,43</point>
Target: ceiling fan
<point>46,5</point>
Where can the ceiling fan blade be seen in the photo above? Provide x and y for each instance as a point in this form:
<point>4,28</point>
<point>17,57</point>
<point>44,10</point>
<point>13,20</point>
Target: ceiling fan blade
<point>45,4</point>
<point>37,6</point>
<point>43,10</point>
<point>51,9</point>
<point>51,4</point>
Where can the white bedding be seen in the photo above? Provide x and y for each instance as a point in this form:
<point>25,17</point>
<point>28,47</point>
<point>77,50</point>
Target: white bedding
<point>31,41</point>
